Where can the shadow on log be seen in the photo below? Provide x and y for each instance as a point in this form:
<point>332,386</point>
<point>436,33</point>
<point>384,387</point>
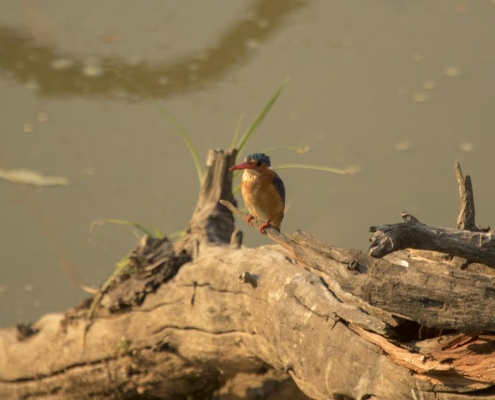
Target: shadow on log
<point>204,317</point>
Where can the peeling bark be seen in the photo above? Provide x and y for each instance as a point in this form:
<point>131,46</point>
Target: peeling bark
<point>185,318</point>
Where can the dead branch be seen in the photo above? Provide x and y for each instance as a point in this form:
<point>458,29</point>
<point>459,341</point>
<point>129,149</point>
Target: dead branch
<point>411,234</point>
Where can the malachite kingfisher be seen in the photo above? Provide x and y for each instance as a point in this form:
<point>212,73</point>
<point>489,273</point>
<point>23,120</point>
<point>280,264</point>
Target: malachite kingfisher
<point>262,190</point>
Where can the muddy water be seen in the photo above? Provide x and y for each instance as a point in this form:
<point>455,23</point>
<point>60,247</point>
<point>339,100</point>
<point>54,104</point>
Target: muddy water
<point>400,89</point>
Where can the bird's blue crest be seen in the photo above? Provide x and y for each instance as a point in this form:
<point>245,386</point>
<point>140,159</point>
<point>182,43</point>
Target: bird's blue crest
<point>259,157</point>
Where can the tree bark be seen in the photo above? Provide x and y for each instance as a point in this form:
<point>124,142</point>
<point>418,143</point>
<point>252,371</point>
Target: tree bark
<point>184,318</point>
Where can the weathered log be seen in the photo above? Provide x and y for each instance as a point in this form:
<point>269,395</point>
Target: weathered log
<point>186,317</point>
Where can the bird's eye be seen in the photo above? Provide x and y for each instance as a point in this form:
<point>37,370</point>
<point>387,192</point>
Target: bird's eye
<point>258,164</point>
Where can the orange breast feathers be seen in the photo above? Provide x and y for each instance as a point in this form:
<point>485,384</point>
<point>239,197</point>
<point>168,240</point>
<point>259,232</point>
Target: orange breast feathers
<point>261,197</point>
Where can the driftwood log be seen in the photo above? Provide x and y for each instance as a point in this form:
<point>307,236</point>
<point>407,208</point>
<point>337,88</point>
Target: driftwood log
<point>187,319</point>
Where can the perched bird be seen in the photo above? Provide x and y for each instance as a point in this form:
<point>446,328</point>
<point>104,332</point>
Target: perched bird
<point>262,190</point>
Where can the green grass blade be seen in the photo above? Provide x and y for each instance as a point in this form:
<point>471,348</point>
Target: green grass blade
<point>176,235</point>
<point>235,174</point>
<point>237,130</point>
<point>259,119</point>
<point>348,171</point>
<point>185,136</point>
<point>236,189</point>
<point>120,268</point>
<point>154,233</point>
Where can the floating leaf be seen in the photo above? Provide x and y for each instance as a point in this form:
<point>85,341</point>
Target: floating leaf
<point>420,97</point>
<point>27,127</point>
<point>467,147</point>
<point>453,71</point>
<point>403,146</point>
<point>29,177</point>
<point>429,84</point>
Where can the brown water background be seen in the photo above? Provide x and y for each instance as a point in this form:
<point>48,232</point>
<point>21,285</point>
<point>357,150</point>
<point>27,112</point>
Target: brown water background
<point>401,89</point>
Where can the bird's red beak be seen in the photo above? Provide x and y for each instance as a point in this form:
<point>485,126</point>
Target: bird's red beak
<point>244,165</point>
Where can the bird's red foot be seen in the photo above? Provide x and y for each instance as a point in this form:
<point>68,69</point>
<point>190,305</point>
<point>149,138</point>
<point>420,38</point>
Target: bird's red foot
<point>249,218</point>
<point>265,225</point>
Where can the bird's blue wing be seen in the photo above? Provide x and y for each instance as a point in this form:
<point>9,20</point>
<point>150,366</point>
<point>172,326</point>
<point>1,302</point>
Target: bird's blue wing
<point>279,185</point>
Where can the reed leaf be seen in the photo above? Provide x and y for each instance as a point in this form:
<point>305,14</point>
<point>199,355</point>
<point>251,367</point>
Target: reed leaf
<point>151,232</point>
<point>185,136</point>
<point>348,171</point>
<point>259,119</point>
<point>237,130</point>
